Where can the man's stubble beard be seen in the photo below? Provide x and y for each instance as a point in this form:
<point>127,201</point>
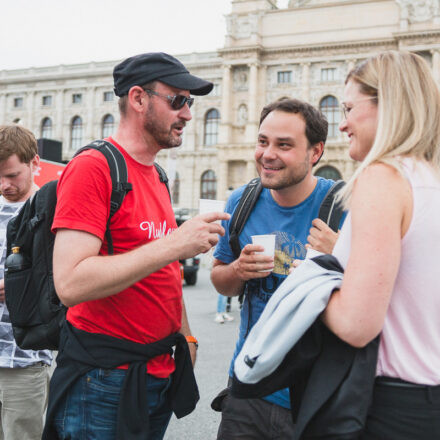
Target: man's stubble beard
<point>153,126</point>
<point>299,174</point>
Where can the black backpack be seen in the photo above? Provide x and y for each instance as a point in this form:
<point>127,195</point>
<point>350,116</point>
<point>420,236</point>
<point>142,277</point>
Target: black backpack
<point>330,211</point>
<point>35,310</point>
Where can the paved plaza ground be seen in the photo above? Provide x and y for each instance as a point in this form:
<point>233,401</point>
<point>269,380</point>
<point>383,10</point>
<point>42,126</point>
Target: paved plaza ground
<point>216,346</point>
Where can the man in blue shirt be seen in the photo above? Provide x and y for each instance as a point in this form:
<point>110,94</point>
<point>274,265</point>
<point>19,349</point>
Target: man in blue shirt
<point>291,141</point>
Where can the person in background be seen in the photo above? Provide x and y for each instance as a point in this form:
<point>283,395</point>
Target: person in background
<point>222,315</point>
<point>390,241</point>
<point>24,374</point>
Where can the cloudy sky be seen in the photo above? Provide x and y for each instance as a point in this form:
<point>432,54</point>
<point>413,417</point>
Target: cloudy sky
<point>49,32</point>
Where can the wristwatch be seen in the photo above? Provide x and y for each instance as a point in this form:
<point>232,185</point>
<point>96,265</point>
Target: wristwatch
<point>192,340</point>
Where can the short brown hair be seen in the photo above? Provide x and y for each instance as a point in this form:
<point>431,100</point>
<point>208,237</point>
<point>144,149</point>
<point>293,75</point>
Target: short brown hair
<point>316,122</point>
<point>15,139</point>
<point>122,102</point>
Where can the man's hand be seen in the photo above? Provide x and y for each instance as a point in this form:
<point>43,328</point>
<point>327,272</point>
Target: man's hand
<point>321,237</point>
<point>2,290</point>
<point>199,234</point>
<point>250,264</point>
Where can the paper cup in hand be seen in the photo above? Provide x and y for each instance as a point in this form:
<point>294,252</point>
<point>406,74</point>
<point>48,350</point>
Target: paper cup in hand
<point>208,205</point>
<point>268,242</point>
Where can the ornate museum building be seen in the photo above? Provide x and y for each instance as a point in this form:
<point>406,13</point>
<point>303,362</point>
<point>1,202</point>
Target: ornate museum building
<point>303,49</point>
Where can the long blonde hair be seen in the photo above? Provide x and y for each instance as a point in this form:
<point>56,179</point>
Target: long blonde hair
<point>408,100</point>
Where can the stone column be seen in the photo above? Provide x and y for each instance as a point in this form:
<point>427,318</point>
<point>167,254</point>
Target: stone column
<point>189,143</point>
<point>436,64</point>
<point>262,89</point>
<point>222,180</point>
<point>436,13</point>
<point>3,108</point>
<point>90,132</point>
<point>250,170</point>
<point>186,175</point>
<point>66,120</point>
<point>59,122</point>
<point>305,81</point>
<point>252,123</point>
<point>404,16</point>
<point>225,124</point>
<point>30,114</point>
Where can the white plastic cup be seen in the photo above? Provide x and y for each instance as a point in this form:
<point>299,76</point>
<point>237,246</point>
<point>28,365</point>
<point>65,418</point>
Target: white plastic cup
<point>268,243</point>
<point>208,205</point>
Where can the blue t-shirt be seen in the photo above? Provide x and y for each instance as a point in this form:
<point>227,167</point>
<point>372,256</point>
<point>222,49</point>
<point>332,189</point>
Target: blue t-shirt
<point>291,226</point>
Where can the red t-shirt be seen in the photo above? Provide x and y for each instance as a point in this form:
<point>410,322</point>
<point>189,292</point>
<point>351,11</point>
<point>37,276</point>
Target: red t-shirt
<point>150,309</point>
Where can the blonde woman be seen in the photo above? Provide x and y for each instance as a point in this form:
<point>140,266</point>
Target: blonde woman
<point>390,242</point>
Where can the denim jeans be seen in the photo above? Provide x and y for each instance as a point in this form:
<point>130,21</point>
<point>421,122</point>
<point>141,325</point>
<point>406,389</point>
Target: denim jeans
<point>89,410</point>
<point>221,303</point>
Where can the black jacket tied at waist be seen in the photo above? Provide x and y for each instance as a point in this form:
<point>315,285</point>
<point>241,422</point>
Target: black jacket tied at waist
<point>83,351</point>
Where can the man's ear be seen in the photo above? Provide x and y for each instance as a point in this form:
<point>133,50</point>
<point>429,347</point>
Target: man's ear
<point>317,152</point>
<point>136,98</point>
<point>34,163</point>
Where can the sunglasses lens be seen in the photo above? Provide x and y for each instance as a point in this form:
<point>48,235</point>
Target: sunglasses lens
<point>180,100</point>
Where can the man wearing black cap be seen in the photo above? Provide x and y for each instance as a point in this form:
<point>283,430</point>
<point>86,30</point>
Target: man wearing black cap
<point>126,310</point>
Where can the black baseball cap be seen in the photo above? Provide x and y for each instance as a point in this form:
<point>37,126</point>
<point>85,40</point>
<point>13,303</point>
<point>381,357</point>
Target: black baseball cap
<point>157,66</point>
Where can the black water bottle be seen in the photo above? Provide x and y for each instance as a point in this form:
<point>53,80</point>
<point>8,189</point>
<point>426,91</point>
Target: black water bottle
<point>16,261</point>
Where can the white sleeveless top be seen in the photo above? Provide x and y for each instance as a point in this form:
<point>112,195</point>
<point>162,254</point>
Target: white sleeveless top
<point>410,340</point>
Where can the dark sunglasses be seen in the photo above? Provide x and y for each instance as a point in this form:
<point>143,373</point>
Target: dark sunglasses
<point>176,101</point>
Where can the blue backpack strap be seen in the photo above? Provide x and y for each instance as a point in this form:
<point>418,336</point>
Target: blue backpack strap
<point>331,211</point>
<point>119,176</point>
<point>247,202</point>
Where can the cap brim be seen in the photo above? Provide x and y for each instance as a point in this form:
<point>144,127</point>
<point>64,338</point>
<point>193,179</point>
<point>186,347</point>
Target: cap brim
<point>186,81</point>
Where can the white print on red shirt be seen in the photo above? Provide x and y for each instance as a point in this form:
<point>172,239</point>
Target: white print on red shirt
<point>154,232</point>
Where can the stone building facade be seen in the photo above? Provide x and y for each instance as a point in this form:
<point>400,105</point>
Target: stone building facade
<point>303,49</point>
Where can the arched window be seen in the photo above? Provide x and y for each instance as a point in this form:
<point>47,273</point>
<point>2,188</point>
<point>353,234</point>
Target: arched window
<point>76,133</point>
<point>212,120</point>
<point>208,185</point>
<point>176,189</point>
<point>329,105</point>
<point>18,121</point>
<point>108,125</point>
<point>328,172</point>
<point>46,128</point>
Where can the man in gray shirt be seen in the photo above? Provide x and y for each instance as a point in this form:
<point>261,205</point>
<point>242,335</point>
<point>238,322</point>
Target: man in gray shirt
<point>24,374</point>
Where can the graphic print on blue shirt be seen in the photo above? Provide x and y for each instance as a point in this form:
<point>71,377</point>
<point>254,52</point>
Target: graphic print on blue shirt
<point>291,226</point>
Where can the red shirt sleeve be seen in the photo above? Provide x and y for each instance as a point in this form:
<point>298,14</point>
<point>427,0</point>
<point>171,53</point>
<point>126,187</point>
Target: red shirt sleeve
<point>83,193</point>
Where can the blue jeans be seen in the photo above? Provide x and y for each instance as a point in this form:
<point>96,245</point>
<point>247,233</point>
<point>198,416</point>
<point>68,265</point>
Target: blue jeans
<point>221,303</point>
<point>89,410</point>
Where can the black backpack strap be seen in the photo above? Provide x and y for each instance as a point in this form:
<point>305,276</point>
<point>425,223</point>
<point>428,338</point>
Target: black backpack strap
<point>331,210</point>
<point>247,202</point>
<point>119,176</point>
<point>163,176</point>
